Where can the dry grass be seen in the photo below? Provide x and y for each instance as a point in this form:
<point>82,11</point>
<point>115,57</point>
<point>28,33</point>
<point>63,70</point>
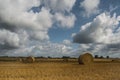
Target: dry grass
<point>57,70</point>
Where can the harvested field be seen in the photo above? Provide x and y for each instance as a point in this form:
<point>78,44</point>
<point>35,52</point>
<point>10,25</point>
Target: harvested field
<point>59,70</point>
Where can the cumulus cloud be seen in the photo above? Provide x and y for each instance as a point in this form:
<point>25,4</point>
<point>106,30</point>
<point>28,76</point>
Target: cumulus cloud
<point>21,27</point>
<point>103,29</point>
<point>90,7</point>
<point>101,36</point>
<point>65,21</point>
<point>8,39</point>
<point>59,5</point>
<point>97,49</point>
<point>42,49</point>
<point>55,48</point>
<point>23,17</point>
<point>23,36</point>
<point>39,22</point>
<point>40,35</point>
<point>67,42</point>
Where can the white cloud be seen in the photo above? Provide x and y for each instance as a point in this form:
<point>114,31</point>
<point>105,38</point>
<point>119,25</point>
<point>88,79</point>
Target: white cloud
<point>21,18</point>
<point>67,42</point>
<point>19,14</point>
<point>45,49</point>
<point>9,39</point>
<point>21,27</point>
<point>73,34</point>
<point>103,29</point>
<point>65,21</point>
<point>103,50</point>
<point>101,36</point>
<point>90,7</point>
<point>59,5</point>
<point>23,36</point>
<point>40,35</point>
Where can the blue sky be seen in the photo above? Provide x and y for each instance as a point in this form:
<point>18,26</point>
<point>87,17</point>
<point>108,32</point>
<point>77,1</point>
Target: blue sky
<point>59,27</point>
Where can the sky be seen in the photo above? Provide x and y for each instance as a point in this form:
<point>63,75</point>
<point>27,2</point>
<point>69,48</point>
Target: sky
<point>59,28</point>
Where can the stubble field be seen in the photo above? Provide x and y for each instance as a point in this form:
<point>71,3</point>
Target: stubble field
<point>59,70</point>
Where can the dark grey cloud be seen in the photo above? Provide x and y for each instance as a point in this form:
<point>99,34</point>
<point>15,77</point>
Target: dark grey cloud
<point>113,45</point>
<point>82,38</point>
<point>4,25</point>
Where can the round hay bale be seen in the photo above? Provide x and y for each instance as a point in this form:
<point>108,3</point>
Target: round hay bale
<point>19,60</point>
<point>65,60</point>
<point>85,58</point>
<point>30,59</point>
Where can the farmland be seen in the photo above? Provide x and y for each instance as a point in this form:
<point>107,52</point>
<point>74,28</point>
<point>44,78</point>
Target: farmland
<point>57,69</point>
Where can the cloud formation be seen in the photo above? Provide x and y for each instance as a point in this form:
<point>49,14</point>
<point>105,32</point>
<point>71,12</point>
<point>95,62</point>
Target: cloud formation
<point>65,21</point>
<point>21,26</point>
<point>9,39</point>
<point>41,49</point>
<point>103,29</point>
<point>90,7</point>
<point>59,5</point>
<point>100,36</point>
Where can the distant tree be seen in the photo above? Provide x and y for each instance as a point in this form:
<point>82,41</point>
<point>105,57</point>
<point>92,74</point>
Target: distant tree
<point>65,57</point>
<point>49,57</point>
<point>41,57</point>
<point>107,57</point>
<point>96,56</point>
<point>101,57</point>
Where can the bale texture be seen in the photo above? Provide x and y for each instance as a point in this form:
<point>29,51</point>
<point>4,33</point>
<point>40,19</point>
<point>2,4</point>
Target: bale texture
<point>65,60</point>
<point>19,59</point>
<point>30,59</point>
<point>85,58</point>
